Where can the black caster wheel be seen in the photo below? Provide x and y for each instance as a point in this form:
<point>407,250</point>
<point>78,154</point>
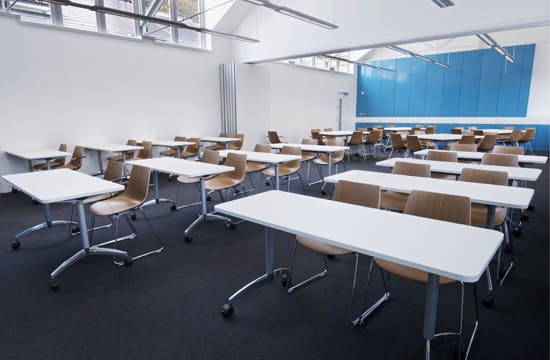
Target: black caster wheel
<point>231,225</point>
<point>516,232</point>
<point>35,202</point>
<point>524,217</point>
<point>489,300</point>
<point>267,183</point>
<point>323,192</point>
<point>209,198</point>
<point>128,262</point>
<point>75,230</point>
<point>173,207</point>
<point>133,217</point>
<point>531,207</point>
<point>187,239</point>
<point>284,280</point>
<point>330,257</point>
<point>227,311</point>
<point>508,248</point>
<point>54,285</point>
<point>14,190</point>
<point>15,244</point>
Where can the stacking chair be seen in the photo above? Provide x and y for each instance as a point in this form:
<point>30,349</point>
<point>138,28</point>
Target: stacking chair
<point>442,156</point>
<point>528,137</point>
<point>397,143</point>
<point>192,150</point>
<point>500,159</point>
<point>463,147</point>
<point>511,150</point>
<point>124,204</point>
<point>390,200</point>
<point>129,154</point>
<point>514,138</point>
<point>487,143</point>
<point>443,207</point>
<point>430,129</point>
<point>467,139</point>
<point>54,163</point>
<point>172,152</point>
<point>335,159</point>
<point>346,192</point>
<point>144,153</point>
<point>273,137</point>
<point>477,132</point>
<point>315,135</point>
<point>76,160</point>
<point>208,156</point>
<point>256,167</point>
<point>288,168</point>
<point>307,156</point>
<point>328,129</point>
<point>237,145</point>
<point>356,143</point>
<point>373,141</point>
<point>509,127</point>
<point>218,145</point>
<point>232,179</point>
<point>413,145</point>
<point>456,131</point>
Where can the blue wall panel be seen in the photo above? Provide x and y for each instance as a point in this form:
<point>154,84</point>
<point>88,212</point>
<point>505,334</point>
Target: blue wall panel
<point>477,83</point>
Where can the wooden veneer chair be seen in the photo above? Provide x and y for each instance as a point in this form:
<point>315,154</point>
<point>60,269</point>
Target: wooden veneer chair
<point>442,156</point>
<point>511,150</point>
<point>288,168</point>
<point>237,145</point>
<point>328,129</point>
<point>390,200</point>
<point>356,142</point>
<point>129,154</point>
<point>307,156</point>
<point>514,137</point>
<point>193,149</point>
<point>231,179</point>
<point>54,163</point>
<point>172,152</point>
<point>430,129</point>
<point>124,204</point>
<point>347,192</point>
<point>144,153</point>
<point>467,139</point>
<point>256,167</point>
<point>528,137</point>
<point>456,131</point>
<point>335,159</point>
<point>315,135</point>
<point>76,160</point>
<point>487,143</point>
<point>273,137</point>
<point>463,147</point>
<point>373,141</point>
<point>208,156</point>
<point>218,145</point>
<point>413,145</point>
<point>437,206</point>
<point>397,143</point>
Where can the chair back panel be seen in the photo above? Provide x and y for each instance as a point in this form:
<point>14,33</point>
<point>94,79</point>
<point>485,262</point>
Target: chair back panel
<point>76,160</point>
<point>467,139</point>
<point>138,185</point>
<point>273,137</point>
<point>131,142</point>
<point>438,206</point>
<point>430,130</point>
<point>194,148</point>
<point>411,169</point>
<point>413,143</point>
<point>456,131</point>
<point>145,153</point>
<point>238,161</point>
<point>237,145</point>
<point>529,135</point>
<point>464,147</point>
<point>515,136</point>
<point>357,194</point>
<point>356,138</point>
<point>317,137</point>
<point>487,143</point>
<point>484,176</point>
<point>397,141</point>
<point>264,148</point>
<point>114,171</point>
<point>293,165</point>
<point>513,150</point>
<point>500,159</point>
<point>442,156</point>
<point>210,157</point>
<point>179,138</point>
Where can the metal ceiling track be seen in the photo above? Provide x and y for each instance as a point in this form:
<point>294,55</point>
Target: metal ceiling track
<point>488,40</point>
<point>415,55</point>
<point>356,62</point>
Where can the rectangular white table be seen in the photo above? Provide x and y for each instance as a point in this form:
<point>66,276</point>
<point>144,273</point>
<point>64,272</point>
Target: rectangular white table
<point>178,145</point>
<point>219,139</point>
<point>267,158</point>
<point>60,186</point>
<point>340,133</point>
<point>181,167</point>
<point>497,131</point>
<point>114,148</point>
<point>443,137</point>
<point>474,155</point>
<point>38,154</point>
<point>440,248</point>
<point>514,173</point>
<point>400,128</point>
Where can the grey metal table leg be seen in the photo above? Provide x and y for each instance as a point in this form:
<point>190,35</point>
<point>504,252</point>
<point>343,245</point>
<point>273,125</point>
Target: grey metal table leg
<point>277,180</point>
<point>430,310</point>
<point>99,162</point>
<point>489,299</point>
<point>157,199</point>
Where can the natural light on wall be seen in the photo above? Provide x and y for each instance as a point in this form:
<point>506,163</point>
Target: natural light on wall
<point>324,63</point>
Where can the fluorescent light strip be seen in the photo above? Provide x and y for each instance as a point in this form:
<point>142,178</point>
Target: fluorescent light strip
<point>415,55</point>
<point>443,3</point>
<point>131,15</point>
<point>294,13</point>
<point>356,62</point>
<point>489,41</point>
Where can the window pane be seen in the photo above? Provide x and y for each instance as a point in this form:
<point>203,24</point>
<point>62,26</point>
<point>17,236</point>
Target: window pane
<point>117,24</point>
<point>185,10</point>
<point>77,18</point>
<point>159,32</point>
<point>31,10</point>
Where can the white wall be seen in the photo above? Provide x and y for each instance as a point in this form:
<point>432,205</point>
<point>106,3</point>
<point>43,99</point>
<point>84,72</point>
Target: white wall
<point>60,86</point>
<point>290,100</point>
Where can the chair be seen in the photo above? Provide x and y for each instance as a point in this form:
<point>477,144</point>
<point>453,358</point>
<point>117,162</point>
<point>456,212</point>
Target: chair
<point>218,145</point>
<point>252,167</point>
<point>443,207</point>
<point>172,151</point>
<point>477,132</point>
<point>373,141</point>
<point>315,135</point>
<point>442,156</point>
<point>237,145</point>
<point>231,179</point>
<point>192,150</point>
<point>114,173</point>
<point>335,159</point>
<point>273,137</point>
<point>356,142</point>
<point>54,163</point>
<point>346,192</point>
<point>397,143</point>
<point>208,156</point>
<point>328,129</point>
<point>467,139</point>
<point>145,152</point>
<point>528,137</point>
<point>76,159</point>
<point>396,201</point>
<point>500,159</point>
<point>129,154</point>
<point>487,143</point>
<point>456,131</point>
<point>413,145</point>
<point>288,168</point>
<point>430,129</point>
<point>511,150</point>
<point>463,147</point>
<point>509,127</point>
<point>307,156</point>
<point>126,203</point>
<point>514,138</point>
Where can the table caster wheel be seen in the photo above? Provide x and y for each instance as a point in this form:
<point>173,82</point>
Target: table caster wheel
<point>128,262</point>
<point>489,300</point>
<point>330,257</point>
<point>516,232</point>
<point>133,217</point>
<point>209,198</point>
<point>284,280</point>
<point>173,207</point>
<point>508,248</point>
<point>75,230</point>
<point>531,207</point>
<point>231,225</point>
<point>15,244</point>
<point>524,217</point>
<point>54,285</point>
<point>187,239</point>
<point>227,311</point>
<point>323,192</point>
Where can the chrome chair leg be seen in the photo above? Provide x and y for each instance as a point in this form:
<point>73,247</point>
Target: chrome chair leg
<point>307,281</point>
<point>385,297</point>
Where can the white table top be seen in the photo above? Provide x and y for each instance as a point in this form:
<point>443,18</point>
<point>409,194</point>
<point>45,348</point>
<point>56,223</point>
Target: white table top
<point>113,147</point>
<point>473,155</point>
<point>497,131</point>
<point>443,137</point>
<point>400,128</point>
<point>314,148</point>
<point>171,143</point>
<point>514,173</point>
<point>218,139</point>
<point>453,250</point>
<point>262,157</point>
<point>339,133</point>
<point>60,185</point>
<point>486,194</point>
<point>182,167</point>
<point>37,154</point>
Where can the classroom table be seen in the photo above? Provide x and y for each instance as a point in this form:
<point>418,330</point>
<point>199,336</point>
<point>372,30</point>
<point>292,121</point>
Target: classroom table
<point>272,159</point>
<point>340,133</point>
<point>474,155</point>
<point>178,145</point>
<point>38,154</point>
<point>401,128</point>
<point>447,167</point>
<point>114,148</point>
<point>497,131</point>
<point>181,167</point>
<point>445,138</point>
<point>219,139</point>
<point>64,185</point>
<point>441,248</point>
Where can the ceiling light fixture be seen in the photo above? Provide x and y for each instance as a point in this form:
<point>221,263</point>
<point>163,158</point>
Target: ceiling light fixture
<point>294,13</point>
<point>415,55</point>
<point>489,41</point>
<point>443,3</point>
<point>131,15</point>
<point>356,62</point>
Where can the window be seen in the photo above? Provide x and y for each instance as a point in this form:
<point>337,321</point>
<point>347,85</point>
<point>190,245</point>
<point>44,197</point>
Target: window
<point>78,18</point>
<point>325,63</point>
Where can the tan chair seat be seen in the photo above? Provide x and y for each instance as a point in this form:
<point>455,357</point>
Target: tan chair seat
<point>390,200</point>
<point>187,154</point>
<point>188,180</point>
<point>283,171</point>
<point>169,152</point>
<point>321,246</point>
<point>443,176</point>
<point>254,166</point>
<point>115,205</point>
<point>307,157</point>
<point>221,182</point>
<point>479,215</point>
<point>97,198</point>
<point>408,272</point>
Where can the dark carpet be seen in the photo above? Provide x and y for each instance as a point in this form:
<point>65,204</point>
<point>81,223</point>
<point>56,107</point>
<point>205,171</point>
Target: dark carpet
<point>167,306</point>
